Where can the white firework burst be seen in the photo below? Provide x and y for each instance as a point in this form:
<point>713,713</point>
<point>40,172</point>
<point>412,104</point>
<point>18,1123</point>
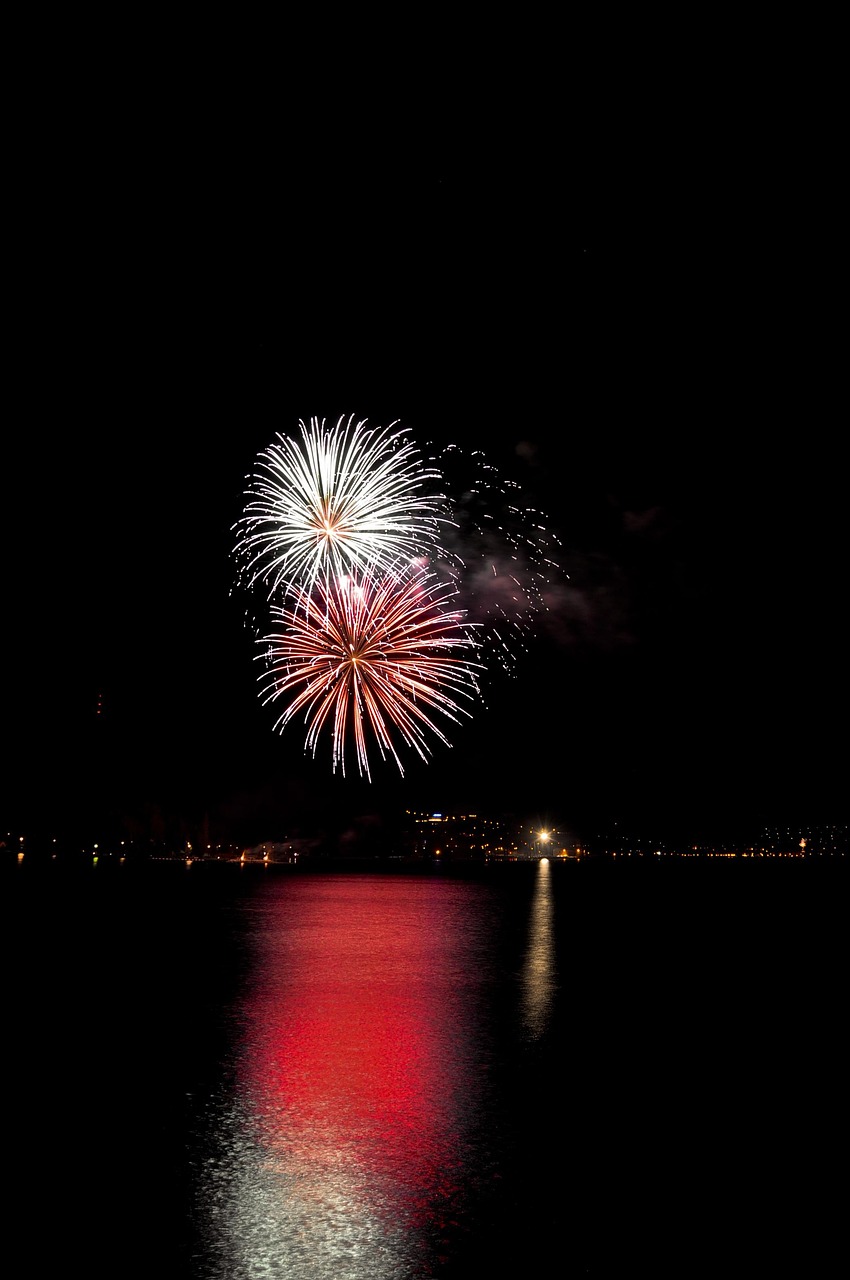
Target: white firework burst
<point>327,503</point>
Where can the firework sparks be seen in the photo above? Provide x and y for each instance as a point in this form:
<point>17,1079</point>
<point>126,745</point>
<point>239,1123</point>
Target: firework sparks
<point>374,653</point>
<point>499,552</point>
<point>333,501</point>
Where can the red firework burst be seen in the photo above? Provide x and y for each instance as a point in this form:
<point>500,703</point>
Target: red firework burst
<point>371,652</point>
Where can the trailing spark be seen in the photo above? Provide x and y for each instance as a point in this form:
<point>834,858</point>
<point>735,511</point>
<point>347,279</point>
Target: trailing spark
<point>499,553</point>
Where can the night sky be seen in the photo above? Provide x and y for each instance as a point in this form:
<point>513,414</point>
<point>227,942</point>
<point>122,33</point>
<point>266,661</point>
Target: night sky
<point>637,328</point>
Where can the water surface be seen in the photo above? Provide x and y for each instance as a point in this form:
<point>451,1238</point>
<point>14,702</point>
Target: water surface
<point>223,1073</point>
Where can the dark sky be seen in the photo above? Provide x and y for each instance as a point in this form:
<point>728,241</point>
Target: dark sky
<point>637,325</point>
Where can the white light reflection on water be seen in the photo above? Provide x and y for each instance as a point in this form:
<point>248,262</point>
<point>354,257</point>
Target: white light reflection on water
<point>538,971</point>
<point>354,1117</point>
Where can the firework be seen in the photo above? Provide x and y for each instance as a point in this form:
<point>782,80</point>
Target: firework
<point>371,654</point>
<point>360,544</point>
<point>336,499</point>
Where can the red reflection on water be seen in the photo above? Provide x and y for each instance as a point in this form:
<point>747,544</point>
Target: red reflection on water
<point>357,1056</point>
